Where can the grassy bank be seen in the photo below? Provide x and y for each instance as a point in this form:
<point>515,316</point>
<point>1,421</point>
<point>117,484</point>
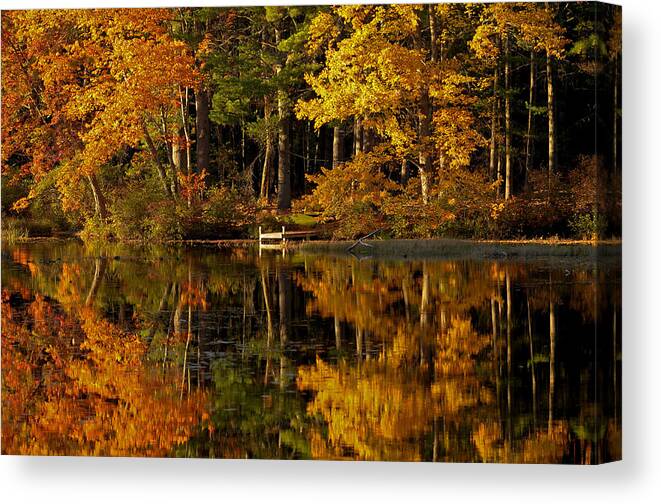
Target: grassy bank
<point>470,249</point>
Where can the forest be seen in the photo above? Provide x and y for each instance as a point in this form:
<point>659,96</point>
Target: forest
<point>485,121</point>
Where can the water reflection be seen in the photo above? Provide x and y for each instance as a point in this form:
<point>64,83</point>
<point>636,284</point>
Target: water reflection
<point>223,353</point>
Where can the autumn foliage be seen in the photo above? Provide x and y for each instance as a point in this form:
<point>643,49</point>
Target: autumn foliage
<point>471,120</point>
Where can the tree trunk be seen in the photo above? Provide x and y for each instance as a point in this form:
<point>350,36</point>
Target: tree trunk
<point>268,153</point>
<point>499,147</point>
<point>433,33</point>
<point>494,128</point>
<point>424,127</point>
<point>159,165</point>
<point>615,103</point>
<point>423,137</point>
<point>508,130</point>
<point>202,129</point>
<point>551,118</point>
<point>183,105</point>
<point>170,146</point>
<point>359,343</point>
<point>508,297</point>
<point>100,209</point>
<point>531,99</point>
<point>357,136</point>
<point>267,304</point>
<point>338,144</point>
<point>424,311</point>
<point>532,366</point>
<point>178,160</point>
<point>284,175</point>
<point>508,294</point>
<point>436,55</point>
<point>404,172</point>
<point>369,139</point>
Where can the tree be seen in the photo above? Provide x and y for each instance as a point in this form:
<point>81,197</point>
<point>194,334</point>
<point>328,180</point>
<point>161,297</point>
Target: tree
<point>119,113</point>
<point>381,74</point>
<point>108,91</point>
<point>533,28</point>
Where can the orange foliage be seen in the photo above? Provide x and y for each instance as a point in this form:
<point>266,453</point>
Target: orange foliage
<point>81,387</point>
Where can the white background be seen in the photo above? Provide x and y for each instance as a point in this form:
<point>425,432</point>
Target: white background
<point>636,479</point>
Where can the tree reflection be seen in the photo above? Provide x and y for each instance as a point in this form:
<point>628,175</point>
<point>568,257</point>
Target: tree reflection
<point>231,354</point>
<point>439,375</point>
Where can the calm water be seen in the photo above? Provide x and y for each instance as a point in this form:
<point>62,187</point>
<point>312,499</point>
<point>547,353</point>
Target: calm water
<point>222,353</point>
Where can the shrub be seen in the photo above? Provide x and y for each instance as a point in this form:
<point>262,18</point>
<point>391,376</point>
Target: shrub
<point>141,211</point>
<point>96,230</point>
<point>346,190</point>
<point>588,226</point>
<point>13,230</point>
<point>358,220</point>
<point>130,210</point>
<point>525,216</point>
<point>225,209</point>
<point>166,220</point>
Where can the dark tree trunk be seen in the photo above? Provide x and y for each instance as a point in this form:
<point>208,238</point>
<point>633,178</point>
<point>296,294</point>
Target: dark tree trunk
<point>357,136</point>
<point>404,172</point>
<point>508,127</point>
<point>268,153</point>
<point>615,112</point>
<point>424,128</point>
<point>369,139</point>
<point>493,147</point>
<point>284,175</point>
<point>202,129</point>
<point>284,306</point>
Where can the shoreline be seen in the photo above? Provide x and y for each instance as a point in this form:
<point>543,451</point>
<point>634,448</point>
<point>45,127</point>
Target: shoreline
<point>410,248</point>
<point>246,241</point>
<point>473,249</point>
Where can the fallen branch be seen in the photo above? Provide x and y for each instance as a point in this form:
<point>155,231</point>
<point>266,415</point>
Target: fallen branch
<point>361,242</point>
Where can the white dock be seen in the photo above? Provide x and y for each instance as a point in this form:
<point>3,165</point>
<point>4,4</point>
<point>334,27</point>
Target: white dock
<point>279,239</point>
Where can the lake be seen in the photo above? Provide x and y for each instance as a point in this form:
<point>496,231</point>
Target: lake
<point>226,353</point>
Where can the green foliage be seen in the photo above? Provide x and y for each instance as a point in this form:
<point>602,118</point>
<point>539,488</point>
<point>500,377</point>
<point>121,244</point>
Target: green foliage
<point>96,231</point>
<point>130,211</point>
<point>227,210</point>
<point>165,221</point>
<point>302,220</point>
<point>588,226</point>
<point>141,212</point>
